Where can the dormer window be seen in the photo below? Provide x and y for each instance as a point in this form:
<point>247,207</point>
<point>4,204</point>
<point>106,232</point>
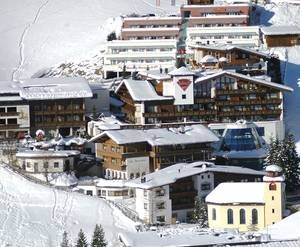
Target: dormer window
<point>272,186</point>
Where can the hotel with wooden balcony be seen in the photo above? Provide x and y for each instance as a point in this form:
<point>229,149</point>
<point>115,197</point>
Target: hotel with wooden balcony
<point>131,153</point>
<point>50,104</point>
<point>218,97</point>
<point>56,104</point>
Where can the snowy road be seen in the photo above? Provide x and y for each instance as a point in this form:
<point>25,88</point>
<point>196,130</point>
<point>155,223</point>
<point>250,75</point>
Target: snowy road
<point>32,215</point>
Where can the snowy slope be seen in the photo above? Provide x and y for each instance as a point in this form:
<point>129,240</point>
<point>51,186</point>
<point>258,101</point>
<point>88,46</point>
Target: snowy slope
<point>32,215</point>
<point>37,34</point>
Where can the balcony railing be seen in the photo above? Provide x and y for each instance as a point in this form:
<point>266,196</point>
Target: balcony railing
<point>9,126</point>
<point>8,114</point>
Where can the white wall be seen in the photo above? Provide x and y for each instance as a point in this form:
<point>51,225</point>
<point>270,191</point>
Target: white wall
<point>179,91</point>
<point>137,165</point>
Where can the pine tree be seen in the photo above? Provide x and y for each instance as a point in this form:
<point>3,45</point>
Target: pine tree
<point>65,241</point>
<point>283,153</point>
<point>98,237</point>
<point>81,241</point>
<point>199,215</point>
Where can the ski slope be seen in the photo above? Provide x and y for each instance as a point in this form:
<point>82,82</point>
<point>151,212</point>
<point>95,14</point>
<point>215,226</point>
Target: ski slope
<point>32,215</point>
<point>37,34</point>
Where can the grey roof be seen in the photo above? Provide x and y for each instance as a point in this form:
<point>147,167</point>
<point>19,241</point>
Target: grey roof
<point>161,136</point>
<point>141,90</point>
<point>280,30</point>
<point>55,88</point>
<point>46,153</point>
<point>172,173</point>
<point>181,71</point>
<point>233,74</point>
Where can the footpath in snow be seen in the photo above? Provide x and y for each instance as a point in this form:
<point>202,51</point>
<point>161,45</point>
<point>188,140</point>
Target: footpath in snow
<point>32,215</point>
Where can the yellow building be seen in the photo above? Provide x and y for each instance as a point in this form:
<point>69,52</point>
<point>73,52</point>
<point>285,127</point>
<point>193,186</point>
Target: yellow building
<point>248,206</point>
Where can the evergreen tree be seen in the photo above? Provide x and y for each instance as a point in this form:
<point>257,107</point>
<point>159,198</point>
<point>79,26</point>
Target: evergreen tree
<point>98,237</point>
<point>81,241</point>
<point>65,241</point>
<point>112,36</point>
<point>199,215</point>
<point>252,227</point>
<point>283,153</point>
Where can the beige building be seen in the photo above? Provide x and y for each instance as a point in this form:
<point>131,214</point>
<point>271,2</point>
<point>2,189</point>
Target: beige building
<point>248,206</point>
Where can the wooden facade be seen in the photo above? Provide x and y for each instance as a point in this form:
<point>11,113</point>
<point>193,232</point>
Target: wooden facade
<point>224,98</point>
<point>114,155</point>
<point>63,115</point>
<point>281,40</point>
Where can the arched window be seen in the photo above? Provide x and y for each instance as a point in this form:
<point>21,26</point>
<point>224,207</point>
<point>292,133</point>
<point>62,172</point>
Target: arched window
<point>214,214</point>
<point>254,216</point>
<point>272,186</point>
<point>131,175</point>
<point>230,216</point>
<point>242,216</point>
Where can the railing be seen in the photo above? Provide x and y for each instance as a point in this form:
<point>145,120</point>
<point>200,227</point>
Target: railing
<point>7,114</point>
<point>249,102</point>
<point>9,126</point>
<point>126,211</point>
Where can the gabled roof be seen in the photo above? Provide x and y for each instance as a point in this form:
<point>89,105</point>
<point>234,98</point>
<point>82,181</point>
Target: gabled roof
<point>181,71</point>
<point>245,77</point>
<point>141,90</point>
<point>161,136</point>
<point>226,47</point>
<point>280,30</point>
<point>175,172</point>
<point>244,192</point>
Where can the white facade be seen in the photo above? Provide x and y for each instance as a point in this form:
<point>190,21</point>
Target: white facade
<point>154,205</point>
<point>13,119</point>
<point>46,161</point>
<point>139,55</point>
<point>135,168</point>
<point>246,36</point>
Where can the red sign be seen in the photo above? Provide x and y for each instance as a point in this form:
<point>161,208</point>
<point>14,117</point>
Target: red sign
<point>184,83</point>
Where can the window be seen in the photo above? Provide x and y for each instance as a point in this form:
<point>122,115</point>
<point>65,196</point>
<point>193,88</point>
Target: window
<point>272,198</point>
<point>273,210</point>
<point>260,131</point>
<point>145,206</point>
<point>28,165</point>
<point>11,121</point>
<point>214,214</point>
<point>56,164</point>
<point>183,96</point>
<point>2,121</point>
<point>160,192</point>
<point>137,175</point>
<point>46,164</point>
<point>89,192</point>
<point>229,216</point>
<point>95,96</point>
<point>2,109</point>
<point>205,186</point>
<point>145,193</point>
<point>160,205</point>
<point>161,219</point>
<point>254,217</point>
<point>242,216</point>
<point>131,176</point>
<point>11,109</point>
<point>272,186</point>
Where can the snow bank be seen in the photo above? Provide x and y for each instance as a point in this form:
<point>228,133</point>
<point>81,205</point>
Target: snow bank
<point>64,180</point>
<point>32,215</point>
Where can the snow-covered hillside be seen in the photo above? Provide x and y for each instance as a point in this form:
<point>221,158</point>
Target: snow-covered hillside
<point>37,34</point>
<point>32,215</point>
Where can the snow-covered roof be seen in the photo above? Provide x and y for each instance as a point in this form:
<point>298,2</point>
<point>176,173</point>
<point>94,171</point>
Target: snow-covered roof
<point>62,141</point>
<point>280,30</point>
<point>113,183</point>
<point>181,71</point>
<point>249,192</point>
<point>209,59</point>
<point>273,168</point>
<point>172,173</point>
<point>245,77</point>
<point>55,88</point>
<point>9,87</point>
<point>226,47</point>
<point>161,136</point>
<point>156,74</point>
<point>141,90</point>
<point>47,153</point>
<point>107,123</point>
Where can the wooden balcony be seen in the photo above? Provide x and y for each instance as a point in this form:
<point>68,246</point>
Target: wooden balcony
<point>60,124</point>
<point>249,113</point>
<point>239,91</point>
<point>180,114</point>
<point>248,102</point>
<point>176,152</point>
<point>9,114</point>
<point>9,126</point>
<point>59,112</point>
<point>202,99</point>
